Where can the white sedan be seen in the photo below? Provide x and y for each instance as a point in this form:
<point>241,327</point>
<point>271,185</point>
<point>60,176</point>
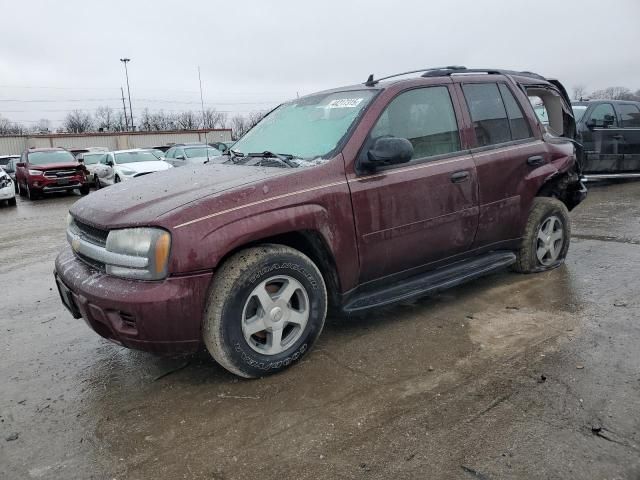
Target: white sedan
<point>123,165</point>
<point>7,189</point>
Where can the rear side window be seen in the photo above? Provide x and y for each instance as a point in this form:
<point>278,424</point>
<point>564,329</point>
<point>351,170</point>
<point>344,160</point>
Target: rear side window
<point>519,125</point>
<point>425,117</point>
<point>629,115</point>
<point>488,113</point>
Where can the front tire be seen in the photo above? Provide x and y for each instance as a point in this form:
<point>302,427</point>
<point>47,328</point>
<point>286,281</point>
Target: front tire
<point>31,195</point>
<point>84,190</point>
<point>266,309</point>
<point>12,202</point>
<point>546,238</point>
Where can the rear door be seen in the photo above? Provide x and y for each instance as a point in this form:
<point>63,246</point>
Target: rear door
<point>416,213</point>
<point>602,139</point>
<point>506,151</point>
<point>629,115</point>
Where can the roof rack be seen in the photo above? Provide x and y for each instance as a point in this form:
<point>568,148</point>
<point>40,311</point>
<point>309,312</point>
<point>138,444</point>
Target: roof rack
<point>448,71</point>
<point>452,70</point>
<point>371,82</point>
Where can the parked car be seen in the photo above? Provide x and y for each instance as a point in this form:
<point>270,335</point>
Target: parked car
<point>121,165</point>
<point>609,131</point>
<point>5,159</point>
<point>348,199</point>
<point>191,154</point>
<point>10,168</point>
<point>49,170</point>
<point>91,161</point>
<point>7,190</point>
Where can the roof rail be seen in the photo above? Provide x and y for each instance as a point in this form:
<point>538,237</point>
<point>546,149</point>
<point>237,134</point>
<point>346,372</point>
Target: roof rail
<point>448,71</point>
<point>371,82</point>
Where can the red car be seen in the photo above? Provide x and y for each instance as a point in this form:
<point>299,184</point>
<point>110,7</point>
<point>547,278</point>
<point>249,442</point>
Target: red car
<point>344,200</point>
<point>48,170</point>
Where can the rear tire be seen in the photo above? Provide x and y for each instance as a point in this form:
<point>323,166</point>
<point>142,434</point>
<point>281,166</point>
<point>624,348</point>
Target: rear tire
<point>266,309</point>
<point>546,238</point>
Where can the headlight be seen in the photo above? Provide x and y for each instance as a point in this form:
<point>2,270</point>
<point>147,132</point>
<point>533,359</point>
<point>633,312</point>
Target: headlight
<point>150,244</point>
<point>35,172</point>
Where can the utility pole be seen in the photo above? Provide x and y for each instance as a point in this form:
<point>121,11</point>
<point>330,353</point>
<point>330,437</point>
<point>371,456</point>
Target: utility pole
<point>204,120</point>
<point>124,107</point>
<point>126,72</point>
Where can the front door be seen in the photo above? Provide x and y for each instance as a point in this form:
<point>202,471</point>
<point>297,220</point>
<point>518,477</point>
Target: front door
<point>416,213</point>
<point>601,139</point>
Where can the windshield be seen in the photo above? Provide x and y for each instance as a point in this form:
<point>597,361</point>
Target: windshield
<point>132,157</point>
<point>198,152</point>
<point>92,158</point>
<point>307,128</point>
<point>54,156</point>
<point>578,111</point>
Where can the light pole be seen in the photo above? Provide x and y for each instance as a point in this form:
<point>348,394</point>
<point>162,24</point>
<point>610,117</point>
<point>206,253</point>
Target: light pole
<point>126,72</point>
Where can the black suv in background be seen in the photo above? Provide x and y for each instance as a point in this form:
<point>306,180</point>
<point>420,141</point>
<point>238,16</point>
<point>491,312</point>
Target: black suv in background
<point>609,131</point>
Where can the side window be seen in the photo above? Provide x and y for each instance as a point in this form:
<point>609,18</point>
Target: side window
<point>629,115</point>
<point>603,115</point>
<point>169,153</point>
<point>519,124</point>
<point>488,113</point>
<point>179,152</point>
<point>425,117</point>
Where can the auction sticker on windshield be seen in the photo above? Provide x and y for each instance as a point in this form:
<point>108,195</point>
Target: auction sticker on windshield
<point>344,103</point>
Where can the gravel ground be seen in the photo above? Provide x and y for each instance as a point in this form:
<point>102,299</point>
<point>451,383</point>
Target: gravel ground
<point>511,376</point>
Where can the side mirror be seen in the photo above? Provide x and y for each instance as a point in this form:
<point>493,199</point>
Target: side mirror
<point>109,163</point>
<point>608,120</point>
<point>21,165</point>
<point>389,151</point>
<point>179,157</point>
<point>80,160</point>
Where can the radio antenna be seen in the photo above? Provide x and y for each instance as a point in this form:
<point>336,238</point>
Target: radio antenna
<point>204,120</point>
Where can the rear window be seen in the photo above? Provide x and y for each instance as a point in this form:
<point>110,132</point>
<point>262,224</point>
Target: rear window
<point>488,113</point>
<point>55,156</point>
<point>629,115</point>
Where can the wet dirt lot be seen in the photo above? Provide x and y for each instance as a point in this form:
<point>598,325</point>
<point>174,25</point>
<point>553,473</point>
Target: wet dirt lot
<point>511,376</point>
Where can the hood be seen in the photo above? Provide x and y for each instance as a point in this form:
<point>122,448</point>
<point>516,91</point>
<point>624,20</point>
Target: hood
<point>141,167</point>
<point>143,200</point>
<point>56,166</point>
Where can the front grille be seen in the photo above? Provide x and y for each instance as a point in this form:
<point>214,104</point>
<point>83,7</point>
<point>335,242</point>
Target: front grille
<point>59,173</point>
<point>94,235</point>
<point>91,262</point>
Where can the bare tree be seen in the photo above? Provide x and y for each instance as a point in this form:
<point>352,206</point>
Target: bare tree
<point>613,93</point>
<point>213,119</point>
<point>77,121</point>
<point>238,127</point>
<point>119,123</point>
<point>7,127</point>
<point>161,121</point>
<point>187,121</point>
<point>579,92</point>
<point>104,118</point>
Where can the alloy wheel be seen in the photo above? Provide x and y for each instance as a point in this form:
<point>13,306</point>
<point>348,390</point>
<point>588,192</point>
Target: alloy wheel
<point>550,240</point>
<point>275,315</point>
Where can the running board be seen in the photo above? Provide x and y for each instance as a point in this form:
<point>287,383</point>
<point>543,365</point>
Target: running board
<point>431,282</point>
<point>609,176</point>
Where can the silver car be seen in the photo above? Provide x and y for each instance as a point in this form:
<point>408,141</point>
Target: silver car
<point>181,155</point>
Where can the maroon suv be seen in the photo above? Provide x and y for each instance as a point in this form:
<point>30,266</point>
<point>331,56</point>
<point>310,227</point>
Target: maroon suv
<point>48,170</point>
<point>347,199</point>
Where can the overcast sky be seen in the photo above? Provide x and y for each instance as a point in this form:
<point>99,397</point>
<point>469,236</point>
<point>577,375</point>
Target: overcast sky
<point>254,54</point>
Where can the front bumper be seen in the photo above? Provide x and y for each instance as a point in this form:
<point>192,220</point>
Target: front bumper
<point>44,184</point>
<point>160,317</point>
<point>8,192</point>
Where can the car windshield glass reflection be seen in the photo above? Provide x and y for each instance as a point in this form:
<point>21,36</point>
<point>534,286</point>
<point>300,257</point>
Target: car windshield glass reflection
<point>132,157</point>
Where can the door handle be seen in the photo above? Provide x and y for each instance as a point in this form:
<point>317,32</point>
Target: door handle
<point>536,161</point>
<point>459,177</point>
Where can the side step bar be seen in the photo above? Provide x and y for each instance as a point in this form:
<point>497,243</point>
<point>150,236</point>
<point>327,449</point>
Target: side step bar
<point>431,282</point>
<point>609,176</point>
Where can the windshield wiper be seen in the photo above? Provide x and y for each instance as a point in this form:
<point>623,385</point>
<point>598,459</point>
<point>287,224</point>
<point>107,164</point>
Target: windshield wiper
<point>283,157</point>
<point>233,155</point>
